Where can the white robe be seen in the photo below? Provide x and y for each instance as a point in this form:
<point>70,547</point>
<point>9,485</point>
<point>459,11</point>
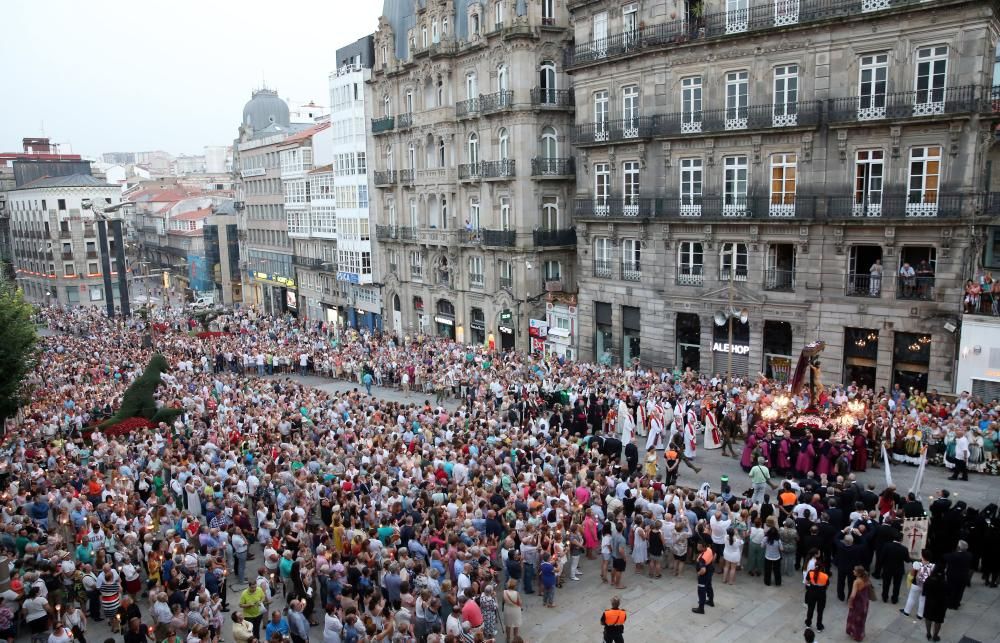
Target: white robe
<point>626,425</point>
<point>641,420</point>
<point>691,434</point>
<point>713,439</point>
<point>657,437</point>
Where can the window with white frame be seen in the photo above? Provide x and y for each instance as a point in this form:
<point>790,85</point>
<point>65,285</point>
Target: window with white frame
<point>602,257</point>
<point>786,95</point>
<point>503,81</point>
<point>630,111</point>
<point>503,141</point>
<point>601,115</point>
<point>602,186</point>
<point>932,70</point>
<point>324,219</point>
<point>408,101</point>
<point>925,172</point>
<point>869,168</point>
<point>690,261</point>
<point>392,259</point>
<point>630,187</point>
<point>599,44</point>
<point>471,89</point>
<point>550,144</point>
<point>473,148</point>
<point>388,158</point>
<point>497,15</point>
<point>413,214</point>
<point>691,186</point>
<point>295,191</point>
<point>547,82</point>
<point>691,104</point>
<point>505,216</point>
<point>390,209</point>
<point>784,176</point>
<point>734,186</point>
<point>631,266</point>
<point>873,74</point>
<point>737,16</point>
<point>737,99</point>
<point>630,21</point>
<point>474,214</point>
<point>548,12</point>
<point>550,213</point>
<point>552,270</point>
<point>733,260</point>
<point>416,263</point>
<point>435,36</point>
<point>506,271</point>
<point>477,274</point>
<point>386,106</point>
<point>411,157</point>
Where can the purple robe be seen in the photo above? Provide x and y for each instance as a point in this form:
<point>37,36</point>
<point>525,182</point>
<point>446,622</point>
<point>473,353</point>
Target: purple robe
<point>784,462</point>
<point>827,459</point>
<point>746,459</point>
<point>805,459</point>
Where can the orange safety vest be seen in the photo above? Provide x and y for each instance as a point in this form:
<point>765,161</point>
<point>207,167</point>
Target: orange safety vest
<point>818,578</point>
<point>707,556</point>
<point>671,455</point>
<point>614,617</point>
<point>787,498</point>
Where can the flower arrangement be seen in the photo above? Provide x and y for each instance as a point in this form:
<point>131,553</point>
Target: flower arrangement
<point>127,426</point>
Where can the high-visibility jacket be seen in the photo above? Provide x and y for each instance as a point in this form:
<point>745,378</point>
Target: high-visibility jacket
<point>613,617</point>
<point>671,455</point>
<point>817,578</point>
<point>787,498</point>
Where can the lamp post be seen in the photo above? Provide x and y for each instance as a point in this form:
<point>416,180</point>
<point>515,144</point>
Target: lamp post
<point>726,317</point>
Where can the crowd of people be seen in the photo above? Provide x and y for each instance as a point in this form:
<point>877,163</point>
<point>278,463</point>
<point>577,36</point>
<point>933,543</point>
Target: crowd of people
<point>288,508</point>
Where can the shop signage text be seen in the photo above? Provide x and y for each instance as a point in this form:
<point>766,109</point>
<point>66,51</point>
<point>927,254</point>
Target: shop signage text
<point>735,349</point>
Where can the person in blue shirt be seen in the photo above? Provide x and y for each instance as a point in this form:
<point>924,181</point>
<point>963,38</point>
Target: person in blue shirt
<point>40,512</point>
<point>547,574</point>
<point>278,624</point>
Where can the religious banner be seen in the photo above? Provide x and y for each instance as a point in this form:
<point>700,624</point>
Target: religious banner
<point>915,535</point>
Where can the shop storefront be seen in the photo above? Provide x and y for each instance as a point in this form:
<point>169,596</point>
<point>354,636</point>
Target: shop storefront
<point>631,347</point>
<point>735,353</point>
<point>506,328</point>
<point>979,357</point>
<point>603,333</point>
<point>777,349</point>
<point>860,356</point>
<point>444,319</point>
<point>688,341</point>
<point>477,327</point>
<point>911,359</point>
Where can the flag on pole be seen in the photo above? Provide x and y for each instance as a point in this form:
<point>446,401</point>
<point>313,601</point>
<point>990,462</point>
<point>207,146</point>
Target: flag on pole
<point>918,479</point>
<point>885,460</point>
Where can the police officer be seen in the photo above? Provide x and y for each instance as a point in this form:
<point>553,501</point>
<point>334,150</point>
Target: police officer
<point>705,566</point>
<point>613,621</point>
<point>817,580</point>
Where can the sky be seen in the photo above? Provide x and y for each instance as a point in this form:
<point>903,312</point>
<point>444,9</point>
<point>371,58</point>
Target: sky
<point>114,76</point>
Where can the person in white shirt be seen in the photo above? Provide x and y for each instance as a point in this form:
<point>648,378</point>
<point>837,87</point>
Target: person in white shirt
<point>961,456</point>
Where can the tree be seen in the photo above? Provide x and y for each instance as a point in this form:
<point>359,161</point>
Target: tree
<point>18,339</point>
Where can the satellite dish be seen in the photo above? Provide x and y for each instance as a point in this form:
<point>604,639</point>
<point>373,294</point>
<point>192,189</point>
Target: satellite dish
<point>744,315</point>
<point>720,318</point>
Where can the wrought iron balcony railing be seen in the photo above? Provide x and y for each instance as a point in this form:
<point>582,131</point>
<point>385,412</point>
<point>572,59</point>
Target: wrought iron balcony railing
<point>564,237</point>
<point>554,98</point>
<point>897,105</point>
<point>383,125</point>
<point>552,167</point>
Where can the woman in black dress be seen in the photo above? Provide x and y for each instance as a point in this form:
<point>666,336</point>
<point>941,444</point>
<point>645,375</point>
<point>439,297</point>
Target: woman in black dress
<point>655,551</point>
<point>936,597</point>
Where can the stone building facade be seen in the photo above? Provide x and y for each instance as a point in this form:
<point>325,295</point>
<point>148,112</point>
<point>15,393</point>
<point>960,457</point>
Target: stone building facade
<point>472,167</point>
<point>783,161</point>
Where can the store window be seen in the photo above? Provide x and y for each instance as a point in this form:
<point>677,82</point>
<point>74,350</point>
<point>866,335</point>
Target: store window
<point>477,326</point>
<point>911,359</point>
<point>731,351</point>
<point>688,340</point>
<point>444,319</point>
<point>860,356</point>
<point>603,333</point>
<point>777,350</point>
<point>630,335</point>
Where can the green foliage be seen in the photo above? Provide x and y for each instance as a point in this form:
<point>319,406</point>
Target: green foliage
<point>18,339</point>
<point>205,318</point>
<point>138,400</point>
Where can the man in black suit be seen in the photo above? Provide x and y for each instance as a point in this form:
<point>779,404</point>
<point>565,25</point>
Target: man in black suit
<point>958,566</point>
<point>848,556</point>
<point>913,508</point>
<point>885,533</point>
<point>893,558</point>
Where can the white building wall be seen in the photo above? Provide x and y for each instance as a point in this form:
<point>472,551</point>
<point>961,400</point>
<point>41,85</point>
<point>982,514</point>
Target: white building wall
<point>978,353</point>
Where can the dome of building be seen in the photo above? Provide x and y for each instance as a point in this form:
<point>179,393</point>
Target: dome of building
<point>264,109</point>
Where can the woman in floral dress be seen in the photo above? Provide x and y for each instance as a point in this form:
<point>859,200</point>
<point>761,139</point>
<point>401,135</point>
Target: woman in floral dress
<point>490,609</point>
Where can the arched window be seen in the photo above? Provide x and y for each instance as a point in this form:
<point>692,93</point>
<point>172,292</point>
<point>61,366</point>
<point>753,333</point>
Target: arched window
<point>547,81</point>
<point>386,106</point>
<point>471,87</point>
<point>440,149</point>
<point>550,143</point>
<point>388,158</point>
<point>502,79</point>
<point>550,213</point>
<point>473,148</point>
<point>504,143</point>
<point>434,32</point>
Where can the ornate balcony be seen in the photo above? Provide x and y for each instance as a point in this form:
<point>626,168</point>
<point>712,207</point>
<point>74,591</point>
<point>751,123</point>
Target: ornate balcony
<point>929,205</point>
<point>553,98</point>
<point>616,131</point>
<point>383,125</point>
<point>546,238</point>
<point>406,177</point>
<point>503,169</point>
<point>470,172</point>
<point>467,108</point>
<point>392,233</point>
<point>554,168</point>
<point>384,178</point>
<point>404,121</point>
<point>902,105</point>
<point>741,119</point>
<point>486,237</point>
<point>489,103</point>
